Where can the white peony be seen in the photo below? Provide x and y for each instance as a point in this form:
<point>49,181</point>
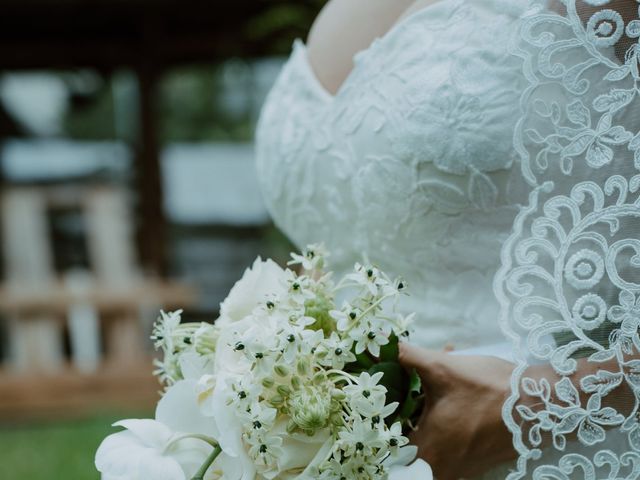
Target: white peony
<point>263,281</point>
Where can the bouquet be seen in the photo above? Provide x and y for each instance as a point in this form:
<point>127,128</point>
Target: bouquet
<point>286,384</point>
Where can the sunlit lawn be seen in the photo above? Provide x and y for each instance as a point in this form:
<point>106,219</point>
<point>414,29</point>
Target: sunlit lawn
<point>61,450</point>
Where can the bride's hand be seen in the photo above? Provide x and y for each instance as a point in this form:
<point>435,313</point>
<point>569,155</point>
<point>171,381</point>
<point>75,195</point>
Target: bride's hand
<point>461,432</point>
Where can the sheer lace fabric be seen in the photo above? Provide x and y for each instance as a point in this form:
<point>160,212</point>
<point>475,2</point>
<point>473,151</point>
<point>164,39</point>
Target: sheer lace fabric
<point>569,282</point>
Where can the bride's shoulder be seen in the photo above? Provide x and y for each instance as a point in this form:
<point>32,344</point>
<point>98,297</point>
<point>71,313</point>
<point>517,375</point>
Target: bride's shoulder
<point>346,27</point>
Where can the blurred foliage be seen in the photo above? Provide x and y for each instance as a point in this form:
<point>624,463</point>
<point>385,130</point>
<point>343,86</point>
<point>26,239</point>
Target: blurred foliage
<point>60,450</point>
<point>194,103</point>
<point>192,107</point>
<point>295,17</point>
<point>91,114</point>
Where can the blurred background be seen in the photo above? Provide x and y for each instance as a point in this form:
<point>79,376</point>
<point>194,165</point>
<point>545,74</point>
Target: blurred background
<point>127,184</point>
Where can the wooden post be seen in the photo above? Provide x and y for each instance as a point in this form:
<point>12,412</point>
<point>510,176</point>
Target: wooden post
<point>35,341</point>
<point>152,228</point>
<point>114,261</point>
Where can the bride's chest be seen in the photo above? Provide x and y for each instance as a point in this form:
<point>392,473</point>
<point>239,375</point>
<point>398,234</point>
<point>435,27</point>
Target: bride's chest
<point>416,140</point>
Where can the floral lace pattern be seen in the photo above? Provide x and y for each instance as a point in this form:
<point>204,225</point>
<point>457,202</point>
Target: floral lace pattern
<point>410,163</point>
<point>536,224</point>
<point>570,279</point>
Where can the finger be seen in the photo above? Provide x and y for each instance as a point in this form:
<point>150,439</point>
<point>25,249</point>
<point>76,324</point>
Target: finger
<point>411,356</point>
<point>431,365</point>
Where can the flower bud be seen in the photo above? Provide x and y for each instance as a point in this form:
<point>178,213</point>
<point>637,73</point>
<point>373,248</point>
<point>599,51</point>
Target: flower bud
<point>276,401</point>
<point>310,409</point>
<point>291,427</point>
<point>336,420</point>
<point>338,395</point>
<point>281,370</point>
<point>268,382</point>
<point>295,382</point>
<point>319,378</point>
<point>283,390</point>
<point>302,367</point>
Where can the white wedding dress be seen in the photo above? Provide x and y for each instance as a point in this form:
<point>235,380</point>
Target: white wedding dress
<point>410,163</point>
<point>488,151</point>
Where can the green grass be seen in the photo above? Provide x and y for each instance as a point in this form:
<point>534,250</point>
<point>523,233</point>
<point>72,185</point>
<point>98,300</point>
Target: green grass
<point>54,451</point>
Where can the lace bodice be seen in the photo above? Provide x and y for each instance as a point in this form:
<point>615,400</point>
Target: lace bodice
<point>410,163</point>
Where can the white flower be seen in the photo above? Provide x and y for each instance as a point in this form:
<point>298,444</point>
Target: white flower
<point>290,339</point>
<point>194,366</point>
<point>205,389</point>
<point>361,438</point>
<point>368,277</point>
<point>260,283</point>
<point>205,338</point>
<point>311,340</point>
<point>246,392</point>
<point>336,352</point>
<point>370,340</point>
<point>260,417</point>
<point>400,466</point>
<point>266,384</point>
<point>298,287</point>
<point>265,449</point>
<point>155,448</point>
<point>404,324</point>
<point>301,451</point>
<point>164,329</point>
<point>366,396</point>
<point>259,347</point>
<point>346,317</point>
<point>310,408</point>
<point>312,258</point>
<point>146,449</point>
<point>393,436</point>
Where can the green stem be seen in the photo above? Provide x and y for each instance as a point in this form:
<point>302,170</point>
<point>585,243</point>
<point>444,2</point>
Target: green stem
<point>205,466</point>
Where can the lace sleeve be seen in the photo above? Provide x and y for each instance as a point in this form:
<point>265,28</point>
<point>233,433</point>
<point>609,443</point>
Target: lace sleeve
<point>569,285</point>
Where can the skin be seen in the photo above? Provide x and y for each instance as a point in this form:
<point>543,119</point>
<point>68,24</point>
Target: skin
<point>461,432</point>
<point>333,41</point>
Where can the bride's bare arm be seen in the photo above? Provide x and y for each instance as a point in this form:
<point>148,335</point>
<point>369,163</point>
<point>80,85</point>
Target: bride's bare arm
<point>462,433</point>
<point>345,27</point>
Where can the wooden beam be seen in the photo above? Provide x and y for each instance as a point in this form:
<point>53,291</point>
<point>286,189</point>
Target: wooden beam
<point>148,178</point>
<point>71,394</point>
<point>111,34</point>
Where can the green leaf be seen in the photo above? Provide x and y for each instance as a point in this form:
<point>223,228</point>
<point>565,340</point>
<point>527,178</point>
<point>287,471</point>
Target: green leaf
<point>395,379</point>
<point>413,400</point>
<point>390,351</point>
<point>364,360</point>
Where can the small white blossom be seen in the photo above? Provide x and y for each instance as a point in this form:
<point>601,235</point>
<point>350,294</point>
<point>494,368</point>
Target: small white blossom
<point>361,439</point>
<point>336,352</point>
<point>313,257</point>
<point>370,340</point>
<point>368,277</point>
<point>367,395</point>
<point>346,317</point>
<point>260,417</point>
<point>265,449</point>
<point>164,329</point>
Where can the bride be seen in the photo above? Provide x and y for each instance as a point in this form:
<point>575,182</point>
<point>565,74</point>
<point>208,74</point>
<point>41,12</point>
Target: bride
<point>486,150</point>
